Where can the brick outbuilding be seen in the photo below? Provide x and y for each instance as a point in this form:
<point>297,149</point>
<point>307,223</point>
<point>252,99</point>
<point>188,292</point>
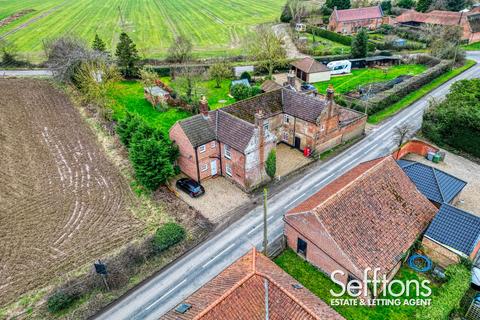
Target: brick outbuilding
<point>349,21</point>
<point>367,218</point>
<point>235,141</point>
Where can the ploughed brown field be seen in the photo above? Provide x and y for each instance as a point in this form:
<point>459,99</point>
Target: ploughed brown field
<point>62,203</point>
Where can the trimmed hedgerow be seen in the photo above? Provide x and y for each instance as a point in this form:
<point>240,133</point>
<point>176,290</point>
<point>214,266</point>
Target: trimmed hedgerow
<point>167,236</point>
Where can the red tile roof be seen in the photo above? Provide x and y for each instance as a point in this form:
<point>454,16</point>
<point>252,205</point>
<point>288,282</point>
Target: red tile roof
<point>309,65</point>
<point>358,14</point>
<point>239,293</point>
<point>374,213</point>
<point>434,17</point>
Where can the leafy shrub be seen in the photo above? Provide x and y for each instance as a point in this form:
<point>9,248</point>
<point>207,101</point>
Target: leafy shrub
<point>449,296</point>
<point>167,236</point>
<point>456,120</point>
<point>246,75</point>
<point>255,90</point>
<point>127,127</point>
<point>59,301</point>
<point>271,164</point>
<point>240,92</point>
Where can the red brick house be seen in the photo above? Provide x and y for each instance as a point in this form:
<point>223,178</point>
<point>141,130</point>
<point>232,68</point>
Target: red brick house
<point>234,141</point>
<point>367,218</point>
<point>351,20</point>
<point>469,21</point>
<point>247,289</point>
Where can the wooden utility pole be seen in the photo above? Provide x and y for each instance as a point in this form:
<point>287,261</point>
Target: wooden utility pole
<point>265,233</point>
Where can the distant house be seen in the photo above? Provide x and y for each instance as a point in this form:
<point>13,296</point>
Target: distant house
<point>310,70</point>
<point>367,218</point>
<point>234,141</point>
<point>252,288</point>
<point>437,185</point>
<point>349,21</point>
<point>469,21</point>
<point>453,234</point>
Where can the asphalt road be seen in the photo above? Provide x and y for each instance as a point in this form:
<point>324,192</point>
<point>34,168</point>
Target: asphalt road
<point>166,290</point>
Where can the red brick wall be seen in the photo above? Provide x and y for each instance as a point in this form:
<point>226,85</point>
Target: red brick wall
<point>237,163</point>
<point>205,158</point>
<point>438,253</point>
<point>415,146</point>
<point>186,161</point>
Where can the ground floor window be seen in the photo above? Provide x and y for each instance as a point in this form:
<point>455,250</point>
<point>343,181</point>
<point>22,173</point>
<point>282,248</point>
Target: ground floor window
<point>204,167</point>
<point>228,169</point>
<point>285,136</point>
<point>302,247</point>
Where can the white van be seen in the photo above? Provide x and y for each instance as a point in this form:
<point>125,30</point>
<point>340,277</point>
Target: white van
<point>340,67</point>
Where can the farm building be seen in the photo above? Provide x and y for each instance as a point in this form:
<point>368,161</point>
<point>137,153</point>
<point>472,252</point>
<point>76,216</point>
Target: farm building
<point>367,218</point>
<point>469,21</point>
<point>349,21</point>
<point>310,70</point>
<point>439,187</point>
<point>253,287</point>
<point>235,141</point>
<point>453,234</point>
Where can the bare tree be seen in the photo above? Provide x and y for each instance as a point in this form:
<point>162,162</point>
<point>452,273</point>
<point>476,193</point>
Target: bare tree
<point>402,133</point>
<point>66,54</point>
<point>189,83</point>
<point>266,48</point>
<point>297,9</point>
<point>181,50</point>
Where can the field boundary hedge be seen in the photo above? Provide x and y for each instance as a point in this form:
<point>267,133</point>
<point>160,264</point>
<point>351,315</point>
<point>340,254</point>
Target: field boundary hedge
<point>388,97</point>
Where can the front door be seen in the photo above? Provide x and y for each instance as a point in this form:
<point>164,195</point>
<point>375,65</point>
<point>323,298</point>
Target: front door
<point>213,167</point>
<point>298,143</point>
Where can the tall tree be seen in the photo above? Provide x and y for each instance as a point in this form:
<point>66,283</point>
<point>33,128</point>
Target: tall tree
<point>406,4</point>
<point>340,4</point>
<point>360,44</point>
<point>386,6</point>
<point>219,72</point>
<point>98,44</point>
<point>271,164</point>
<point>457,5</point>
<point>266,48</point>
<point>423,5</point>
<point>127,56</point>
<point>180,51</point>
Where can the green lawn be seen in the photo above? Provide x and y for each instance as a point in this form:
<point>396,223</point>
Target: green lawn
<point>472,47</point>
<point>216,27</point>
<point>214,95</point>
<point>358,77</point>
<point>318,283</point>
<point>128,96</point>
<point>325,47</point>
<point>414,96</point>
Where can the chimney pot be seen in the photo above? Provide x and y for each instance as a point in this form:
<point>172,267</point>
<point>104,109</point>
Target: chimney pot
<point>330,92</point>
<point>203,107</point>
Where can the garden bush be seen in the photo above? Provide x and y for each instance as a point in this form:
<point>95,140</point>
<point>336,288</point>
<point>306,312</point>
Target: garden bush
<point>449,296</point>
<point>246,75</point>
<point>167,236</point>
<point>456,120</point>
<point>60,301</point>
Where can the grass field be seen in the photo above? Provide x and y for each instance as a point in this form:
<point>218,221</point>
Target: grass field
<point>344,84</point>
<point>216,27</point>
<point>472,47</point>
<point>325,47</point>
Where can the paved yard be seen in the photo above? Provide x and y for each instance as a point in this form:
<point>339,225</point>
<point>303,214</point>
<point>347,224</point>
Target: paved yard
<point>221,196</point>
<point>289,160</point>
<point>464,169</point>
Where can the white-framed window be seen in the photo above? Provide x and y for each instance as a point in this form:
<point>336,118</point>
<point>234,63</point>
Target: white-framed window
<point>202,149</point>
<point>227,152</point>
<point>204,167</point>
<point>286,118</point>
<point>285,136</point>
<point>213,144</point>
<point>228,169</point>
<point>266,125</point>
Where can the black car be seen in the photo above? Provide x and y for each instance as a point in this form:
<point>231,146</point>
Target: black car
<point>192,187</point>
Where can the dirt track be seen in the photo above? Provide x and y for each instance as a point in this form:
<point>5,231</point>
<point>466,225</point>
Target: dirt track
<point>62,203</point>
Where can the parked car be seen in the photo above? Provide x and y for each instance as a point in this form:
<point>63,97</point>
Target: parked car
<point>192,187</point>
<point>307,87</point>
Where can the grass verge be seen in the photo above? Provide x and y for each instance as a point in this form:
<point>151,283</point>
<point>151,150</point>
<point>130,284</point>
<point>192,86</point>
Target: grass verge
<point>320,285</point>
<point>416,95</point>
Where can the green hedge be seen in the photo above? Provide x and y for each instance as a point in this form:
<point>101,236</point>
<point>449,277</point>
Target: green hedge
<point>456,120</point>
<point>388,97</point>
<point>167,236</point>
<point>336,37</point>
<point>449,296</point>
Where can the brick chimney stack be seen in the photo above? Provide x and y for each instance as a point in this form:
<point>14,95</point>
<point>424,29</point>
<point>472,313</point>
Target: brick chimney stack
<point>203,107</point>
<point>291,79</point>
